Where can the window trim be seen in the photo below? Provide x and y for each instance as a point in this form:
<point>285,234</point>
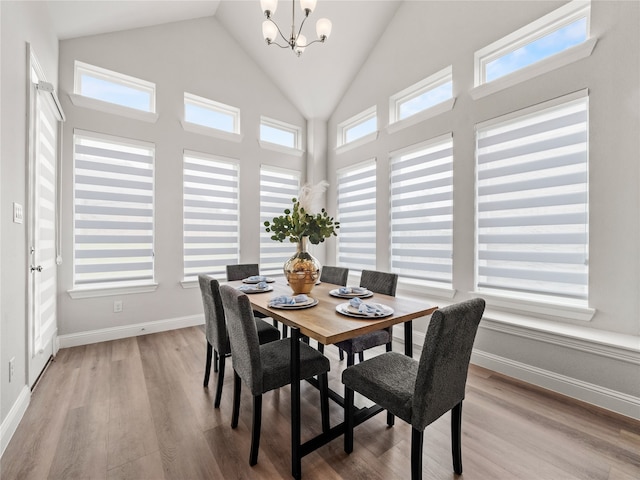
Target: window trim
<point>218,107</point>
<point>117,78</point>
<point>287,127</point>
<point>343,127</point>
<point>423,86</point>
<point>547,24</point>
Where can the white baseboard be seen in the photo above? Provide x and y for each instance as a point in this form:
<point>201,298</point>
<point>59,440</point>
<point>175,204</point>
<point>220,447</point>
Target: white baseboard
<point>13,418</point>
<point>613,400</point>
<point>125,331</point>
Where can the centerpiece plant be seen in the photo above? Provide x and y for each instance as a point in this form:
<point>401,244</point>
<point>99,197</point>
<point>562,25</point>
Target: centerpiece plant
<point>304,222</point>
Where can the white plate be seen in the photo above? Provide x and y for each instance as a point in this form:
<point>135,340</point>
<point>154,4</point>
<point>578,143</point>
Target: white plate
<point>267,279</point>
<point>309,303</point>
<point>336,293</point>
<point>349,311</point>
<point>256,290</point>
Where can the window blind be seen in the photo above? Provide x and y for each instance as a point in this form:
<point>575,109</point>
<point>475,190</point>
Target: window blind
<point>422,212</point>
<point>532,203</point>
<point>113,210</point>
<point>357,216</point>
<point>211,215</point>
<point>277,188</point>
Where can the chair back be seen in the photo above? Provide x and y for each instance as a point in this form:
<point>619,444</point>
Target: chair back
<point>444,362</point>
<point>243,335</point>
<point>334,275</point>
<point>379,282</point>
<point>242,271</point>
<point>215,328</point>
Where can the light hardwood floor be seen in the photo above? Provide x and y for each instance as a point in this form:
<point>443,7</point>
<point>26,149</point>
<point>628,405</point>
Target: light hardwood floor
<point>136,409</point>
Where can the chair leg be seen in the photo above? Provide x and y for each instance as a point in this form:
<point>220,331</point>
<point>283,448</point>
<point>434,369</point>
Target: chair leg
<point>456,437</point>
<point>320,347</point>
<point>417,437</point>
<point>348,420</point>
<point>285,331</point>
<point>391,419</point>
<point>350,359</point>
<point>216,357</point>
<point>237,387</point>
<point>255,429</point>
<point>361,357</point>
<point>341,352</point>
<point>389,349</point>
<point>324,401</point>
<point>207,367</point>
<point>216,402</point>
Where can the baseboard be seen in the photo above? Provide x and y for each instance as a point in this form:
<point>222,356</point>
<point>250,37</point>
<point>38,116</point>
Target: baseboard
<point>606,398</point>
<point>126,331</point>
<point>13,418</point>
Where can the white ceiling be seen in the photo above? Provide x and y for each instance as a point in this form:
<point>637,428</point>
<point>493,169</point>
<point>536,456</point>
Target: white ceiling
<point>314,82</point>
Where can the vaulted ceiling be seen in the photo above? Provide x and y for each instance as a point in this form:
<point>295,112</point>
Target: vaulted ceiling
<point>314,82</point>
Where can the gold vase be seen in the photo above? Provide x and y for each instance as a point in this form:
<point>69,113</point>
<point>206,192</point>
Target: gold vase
<point>302,270</point>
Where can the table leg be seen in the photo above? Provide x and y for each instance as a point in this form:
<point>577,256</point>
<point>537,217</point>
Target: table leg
<point>296,459</point>
<point>408,338</point>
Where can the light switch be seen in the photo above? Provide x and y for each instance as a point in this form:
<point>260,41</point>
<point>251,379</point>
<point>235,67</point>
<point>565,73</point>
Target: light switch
<point>17,213</point>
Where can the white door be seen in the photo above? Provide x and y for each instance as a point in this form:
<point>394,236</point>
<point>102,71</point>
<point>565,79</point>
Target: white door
<point>42,226</point>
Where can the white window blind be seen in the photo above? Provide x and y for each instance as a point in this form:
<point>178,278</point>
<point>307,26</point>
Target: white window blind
<point>357,216</point>
<point>277,189</point>
<point>422,212</point>
<point>532,202</point>
<point>113,210</point>
<point>211,215</point>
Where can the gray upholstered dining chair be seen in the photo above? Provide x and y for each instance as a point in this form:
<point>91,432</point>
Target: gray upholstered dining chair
<point>242,271</point>
<point>265,367</point>
<point>215,330</point>
<point>334,275</point>
<point>377,282</point>
<point>420,392</point>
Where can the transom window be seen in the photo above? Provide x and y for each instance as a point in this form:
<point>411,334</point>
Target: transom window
<point>532,203</point>
<point>113,87</point>
<point>357,127</point>
<point>421,96</point>
<point>422,211</point>
<point>211,215</point>
<point>356,213</point>
<point>556,32</point>
<point>113,224</point>
<point>208,113</point>
<point>280,133</point>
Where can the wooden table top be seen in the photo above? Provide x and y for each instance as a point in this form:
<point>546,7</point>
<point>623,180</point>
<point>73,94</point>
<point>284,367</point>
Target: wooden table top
<point>324,324</point>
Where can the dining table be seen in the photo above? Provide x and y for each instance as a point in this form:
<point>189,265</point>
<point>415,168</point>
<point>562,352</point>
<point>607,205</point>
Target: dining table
<point>328,321</point>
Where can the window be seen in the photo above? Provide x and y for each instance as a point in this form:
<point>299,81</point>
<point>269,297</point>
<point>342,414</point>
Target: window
<point>541,40</point>
<point>422,96</point>
<point>112,87</point>
<point>113,211</point>
<point>362,126</point>
<point>422,211</point>
<point>279,133</point>
<point>211,225</point>
<point>357,216</point>
<point>532,203</point>
<point>277,188</point>
<point>207,113</point>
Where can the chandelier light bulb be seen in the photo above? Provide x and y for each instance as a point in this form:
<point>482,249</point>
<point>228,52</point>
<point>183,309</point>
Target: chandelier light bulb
<point>308,6</point>
<point>269,30</point>
<point>301,44</point>
<point>323,28</point>
<point>269,7</point>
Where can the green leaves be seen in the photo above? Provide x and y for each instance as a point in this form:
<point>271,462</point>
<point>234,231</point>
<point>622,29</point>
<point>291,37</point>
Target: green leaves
<point>298,223</point>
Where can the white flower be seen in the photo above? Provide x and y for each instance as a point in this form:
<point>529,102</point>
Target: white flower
<point>310,197</point>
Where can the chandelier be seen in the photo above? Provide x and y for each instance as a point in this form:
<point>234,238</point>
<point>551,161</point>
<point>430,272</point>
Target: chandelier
<point>296,41</point>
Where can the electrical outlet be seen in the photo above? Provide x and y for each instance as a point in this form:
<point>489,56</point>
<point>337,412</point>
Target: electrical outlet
<point>117,306</point>
<point>12,368</point>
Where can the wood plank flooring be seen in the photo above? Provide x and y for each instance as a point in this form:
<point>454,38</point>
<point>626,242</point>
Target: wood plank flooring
<point>136,409</point>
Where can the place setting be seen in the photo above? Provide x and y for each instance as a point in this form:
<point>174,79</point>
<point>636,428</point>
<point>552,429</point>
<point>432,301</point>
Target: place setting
<point>256,279</point>
<point>358,309</point>
<point>292,302</point>
<point>351,292</point>
<point>260,287</point>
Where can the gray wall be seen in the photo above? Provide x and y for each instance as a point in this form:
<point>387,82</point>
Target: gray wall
<point>425,37</point>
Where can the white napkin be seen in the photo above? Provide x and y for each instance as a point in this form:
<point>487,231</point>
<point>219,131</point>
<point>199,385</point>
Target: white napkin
<point>256,278</point>
<point>288,300</point>
<point>369,309</point>
<point>251,288</point>
<point>352,290</point>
